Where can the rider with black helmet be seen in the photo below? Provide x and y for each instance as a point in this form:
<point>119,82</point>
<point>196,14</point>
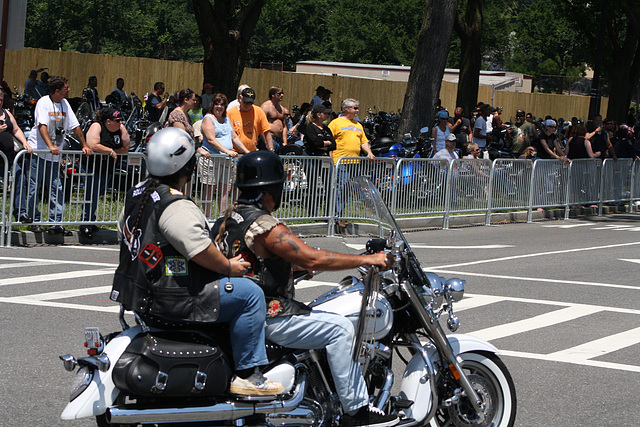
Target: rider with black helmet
<point>170,270</point>
<point>248,229</point>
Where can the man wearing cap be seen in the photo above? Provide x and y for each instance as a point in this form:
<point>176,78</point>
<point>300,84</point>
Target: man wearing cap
<point>108,136</point>
<point>207,96</point>
<point>449,151</point>
<point>275,115</point>
<point>250,121</point>
<point>523,133</point>
<point>320,90</point>
<point>547,145</point>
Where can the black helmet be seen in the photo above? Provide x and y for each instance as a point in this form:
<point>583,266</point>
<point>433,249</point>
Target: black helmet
<point>259,169</point>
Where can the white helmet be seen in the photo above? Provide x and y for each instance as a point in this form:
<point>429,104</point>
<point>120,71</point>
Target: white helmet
<point>169,151</point>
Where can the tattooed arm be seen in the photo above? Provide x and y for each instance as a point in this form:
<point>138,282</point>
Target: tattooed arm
<point>281,242</point>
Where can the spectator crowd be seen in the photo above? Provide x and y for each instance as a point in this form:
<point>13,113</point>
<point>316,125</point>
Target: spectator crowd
<point>239,126</point>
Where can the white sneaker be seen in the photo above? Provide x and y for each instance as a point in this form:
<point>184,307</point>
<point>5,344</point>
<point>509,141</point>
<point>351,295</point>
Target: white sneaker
<point>256,385</point>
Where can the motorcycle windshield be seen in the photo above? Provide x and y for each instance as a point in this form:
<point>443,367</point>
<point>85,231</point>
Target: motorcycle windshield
<point>363,193</point>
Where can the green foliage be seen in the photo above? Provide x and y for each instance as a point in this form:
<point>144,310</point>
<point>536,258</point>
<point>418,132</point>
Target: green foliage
<point>151,28</point>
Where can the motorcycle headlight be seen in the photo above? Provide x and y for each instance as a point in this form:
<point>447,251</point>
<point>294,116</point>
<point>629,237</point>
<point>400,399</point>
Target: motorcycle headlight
<point>454,289</point>
<point>80,382</point>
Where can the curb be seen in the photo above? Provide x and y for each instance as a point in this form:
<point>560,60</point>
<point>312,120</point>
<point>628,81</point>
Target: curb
<point>110,237</point>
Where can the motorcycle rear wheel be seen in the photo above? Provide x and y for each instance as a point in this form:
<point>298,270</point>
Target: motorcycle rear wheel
<point>494,385</point>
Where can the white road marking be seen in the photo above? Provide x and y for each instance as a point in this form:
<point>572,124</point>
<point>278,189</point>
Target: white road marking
<point>601,346</point>
<point>637,261</point>
<point>533,279</point>
<point>24,264</point>
<point>590,363</point>
<point>569,225</point>
<point>63,261</point>
<point>69,293</point>
<point>55,276</point>
<point>533,323</point>
<point>27,301</point>
<point>509,258</point>
<point>94,248</point>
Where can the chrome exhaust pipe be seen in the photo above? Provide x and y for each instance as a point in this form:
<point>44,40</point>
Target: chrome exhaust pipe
<point>230,410</point>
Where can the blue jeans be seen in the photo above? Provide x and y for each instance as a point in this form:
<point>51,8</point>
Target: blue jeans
<point>244,309</point>
<point>20,197</point>
<point>333,332</point>
<point>46,172</point>
<point>341,188</point>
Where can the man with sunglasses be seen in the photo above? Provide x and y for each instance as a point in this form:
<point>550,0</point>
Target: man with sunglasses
<point>53,118</point>
<point>106,136</point>
<point>523,133</point>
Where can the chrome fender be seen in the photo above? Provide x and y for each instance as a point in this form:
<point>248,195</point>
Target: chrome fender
<point>416,385</point>
<point>101,392</point>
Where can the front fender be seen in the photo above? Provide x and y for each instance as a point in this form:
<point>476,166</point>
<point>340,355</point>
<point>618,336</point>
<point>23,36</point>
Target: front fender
<point>416,385</point>
<point>101,392</point>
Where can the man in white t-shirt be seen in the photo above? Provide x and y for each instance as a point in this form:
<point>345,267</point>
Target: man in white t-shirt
<point>53,118</point>
<point>449,150</point>
<point>480,133</point>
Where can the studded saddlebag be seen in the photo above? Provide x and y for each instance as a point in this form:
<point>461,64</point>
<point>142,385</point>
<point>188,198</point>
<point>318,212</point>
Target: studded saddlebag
<point>172,363</point>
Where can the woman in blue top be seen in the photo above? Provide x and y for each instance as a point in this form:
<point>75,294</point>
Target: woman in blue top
<point>218,138</point>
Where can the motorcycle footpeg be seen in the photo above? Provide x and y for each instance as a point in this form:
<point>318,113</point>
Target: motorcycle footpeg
<point>402,403</point>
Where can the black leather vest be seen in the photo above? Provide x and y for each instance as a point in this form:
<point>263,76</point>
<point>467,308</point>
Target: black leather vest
<point>158,280</point>
<point>274,275</point>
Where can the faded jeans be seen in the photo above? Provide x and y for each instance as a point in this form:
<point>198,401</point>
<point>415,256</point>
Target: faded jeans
<point>45,173</point>
<point>318,330</point>
<point>244,309</point>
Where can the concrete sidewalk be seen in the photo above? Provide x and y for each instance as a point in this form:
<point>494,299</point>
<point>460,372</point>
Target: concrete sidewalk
<point>109,237</point>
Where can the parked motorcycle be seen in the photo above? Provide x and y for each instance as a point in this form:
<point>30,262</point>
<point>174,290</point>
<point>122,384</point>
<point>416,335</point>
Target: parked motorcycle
<point>149,374</point>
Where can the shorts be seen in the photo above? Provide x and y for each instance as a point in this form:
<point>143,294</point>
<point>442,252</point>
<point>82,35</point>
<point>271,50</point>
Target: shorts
<point>216,170</point>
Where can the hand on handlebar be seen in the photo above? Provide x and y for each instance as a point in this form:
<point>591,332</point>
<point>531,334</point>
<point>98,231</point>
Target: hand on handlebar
<point>382,260</point>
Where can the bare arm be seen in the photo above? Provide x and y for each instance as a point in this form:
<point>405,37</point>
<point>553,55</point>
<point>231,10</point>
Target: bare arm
<point>209,132</point>
<point>367,149</point>
<point>281,242</point>
<point>212,259</point>
<point>18,134</point>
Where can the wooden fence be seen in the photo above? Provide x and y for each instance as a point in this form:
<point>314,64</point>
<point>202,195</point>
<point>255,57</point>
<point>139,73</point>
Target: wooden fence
<point>140,74</point>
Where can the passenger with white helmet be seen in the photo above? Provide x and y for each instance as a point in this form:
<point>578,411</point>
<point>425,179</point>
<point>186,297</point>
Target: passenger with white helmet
<point>170,270</point>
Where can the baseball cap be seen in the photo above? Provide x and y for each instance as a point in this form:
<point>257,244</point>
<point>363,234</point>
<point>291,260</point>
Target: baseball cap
<point>451,137</point>
<point>443,114</point>
<point>112,114</point>
<point>248,95</point>
<point>321,108</point>
<point>207,86</point>
<point>549,122</point>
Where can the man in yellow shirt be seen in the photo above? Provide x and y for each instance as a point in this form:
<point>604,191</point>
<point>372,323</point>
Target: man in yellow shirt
<point>350,140</point>
<point>250,121</point>
<point>349,133</point>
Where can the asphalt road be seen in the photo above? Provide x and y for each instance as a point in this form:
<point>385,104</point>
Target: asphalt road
<point>558,298</point>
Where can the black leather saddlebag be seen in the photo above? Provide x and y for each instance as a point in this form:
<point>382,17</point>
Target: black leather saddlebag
<point>172,363</point>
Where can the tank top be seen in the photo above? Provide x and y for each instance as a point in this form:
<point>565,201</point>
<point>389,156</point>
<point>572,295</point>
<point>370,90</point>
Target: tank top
<point>223,134</point>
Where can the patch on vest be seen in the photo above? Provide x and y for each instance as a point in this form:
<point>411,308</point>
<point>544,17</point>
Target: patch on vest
<point>175,192</point>
<point>274,308</point>
<point>237,217</point>
<point>150,255</point>
<point>176,266</point>
<point>155,196</point>
<point>114,295</point>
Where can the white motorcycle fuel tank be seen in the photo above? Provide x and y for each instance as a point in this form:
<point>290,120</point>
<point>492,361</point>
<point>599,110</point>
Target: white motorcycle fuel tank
<point>345,300</point>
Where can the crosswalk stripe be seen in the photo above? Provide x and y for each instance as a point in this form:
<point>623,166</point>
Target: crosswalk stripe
<point>601,346</point>
<point>69,293</point>
<point>54,276</point>
<point>536,322</point>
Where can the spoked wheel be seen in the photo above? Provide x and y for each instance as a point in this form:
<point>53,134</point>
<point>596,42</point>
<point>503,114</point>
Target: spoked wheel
<point>494,386</point>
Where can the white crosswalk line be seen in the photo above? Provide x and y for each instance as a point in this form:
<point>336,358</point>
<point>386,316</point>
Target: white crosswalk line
<point>70,293</point>
<point>476,301</point>
<point>536,322</point>
<point>600,347</point>
<point>54,276</point>
<point>28,301</point>
<point>24,264</point>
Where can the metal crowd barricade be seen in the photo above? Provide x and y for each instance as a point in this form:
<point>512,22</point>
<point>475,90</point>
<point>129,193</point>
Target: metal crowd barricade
<point>549,184</point>
<point>635,185</point>
<point>467,187</point>
<point>584,182</point>
<point>307,191</point>
<point>381,171</point>
<point>5,210</point>
<point>616,182</point>
<point>212,185</point>
<point>420,187</point>
<point>75,189</point>
<point>509,185</point>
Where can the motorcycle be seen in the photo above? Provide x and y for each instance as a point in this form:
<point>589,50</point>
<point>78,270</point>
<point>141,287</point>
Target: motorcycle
<point>147,374</point>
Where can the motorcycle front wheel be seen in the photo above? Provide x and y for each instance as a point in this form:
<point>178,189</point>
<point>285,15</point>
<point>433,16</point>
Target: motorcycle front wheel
<point>493,384</point>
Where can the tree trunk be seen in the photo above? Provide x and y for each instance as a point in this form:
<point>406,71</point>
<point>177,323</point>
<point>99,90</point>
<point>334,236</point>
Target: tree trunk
<point>427,70</point>
<point>226,26</point>
<point>469,29</point>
